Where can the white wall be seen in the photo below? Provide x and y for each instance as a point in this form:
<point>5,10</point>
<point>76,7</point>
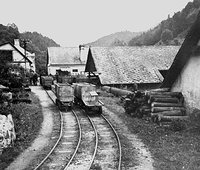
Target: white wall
<point>189,83</point>
<point>17,57</point>
<point>52,69</point>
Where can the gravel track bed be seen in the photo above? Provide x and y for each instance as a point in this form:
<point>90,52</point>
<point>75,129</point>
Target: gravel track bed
<point>83,157</point>
<point>135,154</point>
<point>107,152</point>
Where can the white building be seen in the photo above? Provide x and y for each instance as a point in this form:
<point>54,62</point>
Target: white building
<point>183,75</point>
<point>71,59</point>
<point>18,55</point>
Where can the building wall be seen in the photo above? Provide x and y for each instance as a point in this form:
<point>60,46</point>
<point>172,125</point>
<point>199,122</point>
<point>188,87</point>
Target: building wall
<point>188,83</point>
<point>17,57</point>
<point>71,68</point>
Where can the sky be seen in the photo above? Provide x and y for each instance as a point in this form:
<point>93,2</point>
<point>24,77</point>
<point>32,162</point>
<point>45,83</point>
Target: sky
<point>74,22</point>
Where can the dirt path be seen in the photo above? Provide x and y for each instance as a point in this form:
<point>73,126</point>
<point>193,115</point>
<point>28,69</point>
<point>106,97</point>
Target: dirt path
<point>42,140</point>
<point>135,155</point>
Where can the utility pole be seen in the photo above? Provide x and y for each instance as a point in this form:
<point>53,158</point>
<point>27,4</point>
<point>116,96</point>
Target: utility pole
<point>25,41</point>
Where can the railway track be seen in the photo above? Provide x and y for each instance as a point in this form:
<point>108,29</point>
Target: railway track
<point>84,142</point>
<point>67,143</point>
<point>109,147</point>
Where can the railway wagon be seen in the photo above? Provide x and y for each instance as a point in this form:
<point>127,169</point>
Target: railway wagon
<point>86,96</point>
<point>65,79</point>
<point>46,81</point>
<point>64,95</point>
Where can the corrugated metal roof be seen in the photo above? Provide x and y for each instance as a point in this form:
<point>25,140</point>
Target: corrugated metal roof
<point>64,55</point>
<point>126,65</point>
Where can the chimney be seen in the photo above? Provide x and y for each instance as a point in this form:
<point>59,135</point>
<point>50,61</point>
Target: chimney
<point>81,48</point>
<point>16,42</point>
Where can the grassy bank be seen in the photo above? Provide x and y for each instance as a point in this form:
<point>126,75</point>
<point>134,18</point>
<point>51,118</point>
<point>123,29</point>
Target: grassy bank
<point>27,119</point>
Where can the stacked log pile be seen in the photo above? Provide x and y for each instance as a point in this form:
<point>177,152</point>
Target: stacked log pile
<point>166,106</point>
<point>160,105</point>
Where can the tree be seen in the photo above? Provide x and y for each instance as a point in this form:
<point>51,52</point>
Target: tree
<point>166,35</point>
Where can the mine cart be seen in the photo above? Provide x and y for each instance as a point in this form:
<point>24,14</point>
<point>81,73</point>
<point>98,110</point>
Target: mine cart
<point>64,95</point>
<point>46,81</point>
<point>86,96</point>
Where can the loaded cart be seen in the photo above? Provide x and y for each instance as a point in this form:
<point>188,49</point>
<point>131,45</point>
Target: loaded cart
<point>46,81</point>
<point>64,95</point>
<point>86,96</point>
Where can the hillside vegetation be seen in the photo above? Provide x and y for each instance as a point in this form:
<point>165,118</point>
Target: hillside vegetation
<point>116,39</point>
<point>172,30</point>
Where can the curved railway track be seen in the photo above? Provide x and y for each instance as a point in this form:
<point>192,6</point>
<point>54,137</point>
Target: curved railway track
<point>84,142</point>
<point>109,148</point>
<point>67,143</point>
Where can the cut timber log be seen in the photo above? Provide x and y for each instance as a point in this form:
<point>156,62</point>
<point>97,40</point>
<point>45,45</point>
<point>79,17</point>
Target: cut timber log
<point>158,104</point>
<point>160,96</point>
<point>171,118</point>
<point>27,89</point>
<point>160,90</point>
<point>172,94</point>
<point>161,109</point>
<point>169,113</point>
<point>163,100</point>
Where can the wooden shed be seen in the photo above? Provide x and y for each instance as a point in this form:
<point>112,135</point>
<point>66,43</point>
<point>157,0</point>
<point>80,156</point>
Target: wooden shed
<point>125,66</point>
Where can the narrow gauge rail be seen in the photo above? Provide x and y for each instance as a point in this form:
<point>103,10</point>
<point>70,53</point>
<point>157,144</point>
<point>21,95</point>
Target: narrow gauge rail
<point>64,146</point>
<point>106,153</point>
<point>86,152</point>
<point>99,157</point>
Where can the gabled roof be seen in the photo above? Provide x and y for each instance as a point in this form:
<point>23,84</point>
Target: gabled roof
<point>127,65</point>
<point>184,53</point>
<point>63,55</point>
<point>17,51</point>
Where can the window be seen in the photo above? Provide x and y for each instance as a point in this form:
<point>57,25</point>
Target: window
<point>75,70</point>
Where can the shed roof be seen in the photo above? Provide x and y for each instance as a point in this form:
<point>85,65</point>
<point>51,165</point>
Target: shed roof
<point>127,65</point>
<point>184,53</point>
<point>64,55</point>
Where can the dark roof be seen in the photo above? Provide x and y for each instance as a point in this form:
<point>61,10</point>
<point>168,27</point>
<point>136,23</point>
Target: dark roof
<point>183,54</point>
<point>127,65</point>
<point>17,51</point>
<point>64,55</point>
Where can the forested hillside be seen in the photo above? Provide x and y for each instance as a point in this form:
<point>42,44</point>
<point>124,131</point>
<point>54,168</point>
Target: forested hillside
<point>116,39</point>
<point>172,30</point>
<point>8,33</point>
<point>37,43</point>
